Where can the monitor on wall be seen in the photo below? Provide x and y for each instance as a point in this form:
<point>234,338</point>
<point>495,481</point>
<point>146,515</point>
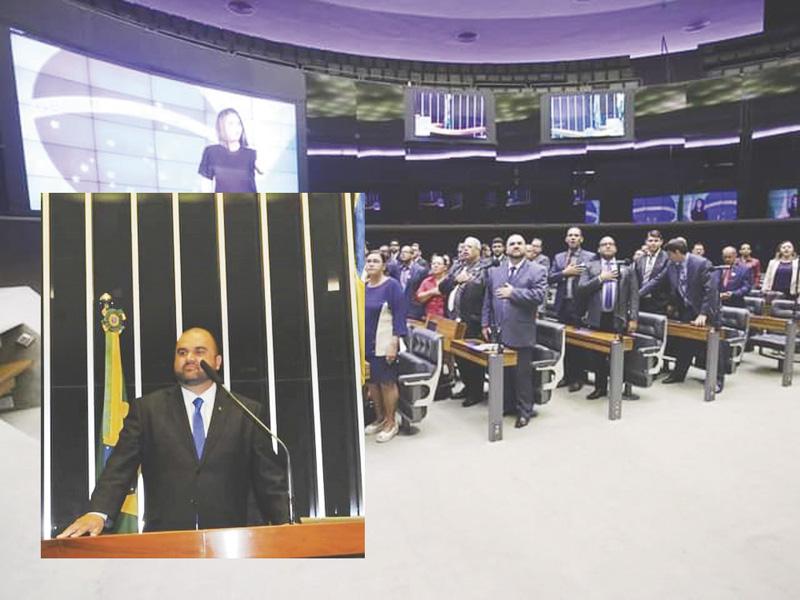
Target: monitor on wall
<point>587,116</point>
<point>655,209</point>
<point>449,116</point>
<point>783,204</point>
<point>710,206</point>
<point>90,125</point>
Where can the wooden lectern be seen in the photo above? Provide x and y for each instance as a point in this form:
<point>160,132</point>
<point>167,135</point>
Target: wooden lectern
<point>313,538</point>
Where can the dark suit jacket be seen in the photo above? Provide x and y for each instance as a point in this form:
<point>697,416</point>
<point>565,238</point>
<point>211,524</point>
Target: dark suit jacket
<point>626,304</point>
<point>515,316</point>
<point>701,288</point>
<point>740,282</point>
<point>658,299</point>
<point>237,457</point>
<point>418,273</point>
<point>470,296</point>
<point>556,275</point>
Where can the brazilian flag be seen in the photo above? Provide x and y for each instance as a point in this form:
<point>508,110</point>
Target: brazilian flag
<point>115,409</point>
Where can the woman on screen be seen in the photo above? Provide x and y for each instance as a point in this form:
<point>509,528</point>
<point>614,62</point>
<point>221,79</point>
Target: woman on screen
<point>231,164</point>
<point>699,210</point>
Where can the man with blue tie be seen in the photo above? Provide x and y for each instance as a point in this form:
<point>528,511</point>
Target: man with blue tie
<point>199,454</point>
<point>694,288</point>
<point>514,290</point>
<point>735,279</point>
<point>611,293</point>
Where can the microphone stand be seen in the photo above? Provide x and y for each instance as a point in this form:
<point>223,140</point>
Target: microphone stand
<point>214,376</point>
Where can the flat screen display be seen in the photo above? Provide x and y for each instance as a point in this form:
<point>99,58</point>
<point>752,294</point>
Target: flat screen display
<point>589,115</point>
<point>783,204</point>
<point>93,126</point>
<point>449,116</point>
<point>591,211</point>
<point>710,206</point>
<point>655,209</point>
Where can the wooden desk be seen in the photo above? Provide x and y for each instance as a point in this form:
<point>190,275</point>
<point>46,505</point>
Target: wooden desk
<point>311,538</point>
<point>494,362</point>
<point>606,343</point>
<point>787,327</point>
<point>711,337</point>
<point>448,328</point>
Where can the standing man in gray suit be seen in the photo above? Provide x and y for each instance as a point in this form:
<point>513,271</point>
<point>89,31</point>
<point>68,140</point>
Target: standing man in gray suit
<point>611,294</point>
<point>514,290</point>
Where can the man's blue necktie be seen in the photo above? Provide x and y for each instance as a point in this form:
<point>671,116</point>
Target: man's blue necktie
<point>198,431</point>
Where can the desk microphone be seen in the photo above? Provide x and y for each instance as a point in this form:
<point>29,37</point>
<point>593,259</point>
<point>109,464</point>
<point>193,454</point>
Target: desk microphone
<point>214,376</point>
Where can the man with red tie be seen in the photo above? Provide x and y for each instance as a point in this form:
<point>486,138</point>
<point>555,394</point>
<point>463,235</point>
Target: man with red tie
<point>735,280</point>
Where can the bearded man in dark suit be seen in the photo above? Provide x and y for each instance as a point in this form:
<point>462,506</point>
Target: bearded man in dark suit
<point>191,481</point>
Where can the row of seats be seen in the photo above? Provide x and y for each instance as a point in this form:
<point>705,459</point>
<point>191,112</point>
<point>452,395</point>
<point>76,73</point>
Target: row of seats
<point>421,362</point>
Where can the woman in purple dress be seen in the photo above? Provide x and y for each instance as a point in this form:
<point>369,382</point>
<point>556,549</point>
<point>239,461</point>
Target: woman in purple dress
<point>385,320</point>
<point>783,272</point>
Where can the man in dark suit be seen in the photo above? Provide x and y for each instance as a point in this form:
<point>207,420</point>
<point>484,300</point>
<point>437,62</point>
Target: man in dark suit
<point>191,481</point>
<point>514,291</point>
<point>611,293</point>
<point>734,281</point>
<point>464,286</point>
<point>647,267</point>
<point>410,274</point>
<point>690,279</point>
<point>565,271</point>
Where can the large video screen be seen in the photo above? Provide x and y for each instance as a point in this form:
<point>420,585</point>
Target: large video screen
<point>93,126</point>
<point>655,209</point>
<point>710,206</point>
<point>588,116</point>
<point>783,204</point>
<point>449,116</point>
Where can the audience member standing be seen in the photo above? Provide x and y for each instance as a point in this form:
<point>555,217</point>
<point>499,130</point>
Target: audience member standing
<point>689,277</point>
<point>783,271</point>
<point>428,293</point>
<point>467,280</point>
<point>385,324</point>
<point>565,270</point>
<point>611,293</point>
<point>514,291</point>
<point>735,280</point>
<point>647,267</point>
<point>747,259</point>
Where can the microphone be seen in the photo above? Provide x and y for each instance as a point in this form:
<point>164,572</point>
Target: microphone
<point>214,376</point>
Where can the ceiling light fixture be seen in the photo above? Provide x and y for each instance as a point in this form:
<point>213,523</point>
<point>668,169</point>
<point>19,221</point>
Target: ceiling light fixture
<point>240,7</point>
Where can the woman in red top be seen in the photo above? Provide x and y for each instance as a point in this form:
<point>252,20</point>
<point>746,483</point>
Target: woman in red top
<point>428,292</point>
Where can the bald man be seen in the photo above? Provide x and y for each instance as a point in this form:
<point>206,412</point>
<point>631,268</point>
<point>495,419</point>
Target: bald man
<point>200,455</point>
<point>735,280</point>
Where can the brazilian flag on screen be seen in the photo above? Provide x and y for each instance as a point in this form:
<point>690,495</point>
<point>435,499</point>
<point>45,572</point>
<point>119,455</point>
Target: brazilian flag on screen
<point>115,409</point>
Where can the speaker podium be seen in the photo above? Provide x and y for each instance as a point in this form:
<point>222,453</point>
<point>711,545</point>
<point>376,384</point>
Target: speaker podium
<point>313,538</point>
